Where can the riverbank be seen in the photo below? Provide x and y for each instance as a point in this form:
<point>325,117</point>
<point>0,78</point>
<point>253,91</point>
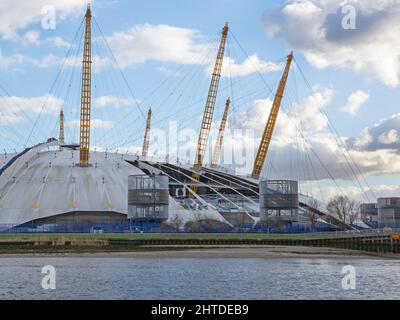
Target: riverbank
<point>194,245</point>
<point>210,252</point>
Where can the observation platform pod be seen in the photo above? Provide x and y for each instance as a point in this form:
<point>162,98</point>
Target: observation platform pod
<point>389,212</point>
<point>148,198</point>
<point>279,200</point>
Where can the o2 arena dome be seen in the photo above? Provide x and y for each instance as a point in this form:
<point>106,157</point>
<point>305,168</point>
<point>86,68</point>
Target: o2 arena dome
<point>45,185</point>
<point>55,183</point>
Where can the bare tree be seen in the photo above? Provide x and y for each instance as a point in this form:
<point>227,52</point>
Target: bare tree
<point>176,222</point>
<point>313,207</point>
<point>344,208</point>
<point>195,225</point>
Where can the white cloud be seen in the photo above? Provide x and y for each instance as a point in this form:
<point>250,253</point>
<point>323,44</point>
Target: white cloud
<point>314,28</point>
<point>354,102</point>
<point>251,65</point>
<point>383,135</point>
<point>390,137</point>
<point>32,37</point>
<point>59,42</point>
<point>94,124</point>
<point>169,44</point>
<point>13,109</point>
<point>379,190</point>
<point>52,60</point>
<point>7,61</point>
<point>162,42</point>
<point>18,14</point>
<point>115,102</point>
<point>143,43</point>
<point>303,146</point>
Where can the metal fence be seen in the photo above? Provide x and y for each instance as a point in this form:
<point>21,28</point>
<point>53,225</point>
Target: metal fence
<point>155,228</point>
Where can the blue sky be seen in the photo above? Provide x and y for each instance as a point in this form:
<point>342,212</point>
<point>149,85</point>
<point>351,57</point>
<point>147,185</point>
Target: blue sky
<point>352,81</point>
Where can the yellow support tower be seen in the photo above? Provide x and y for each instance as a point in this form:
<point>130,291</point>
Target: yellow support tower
<point>220,138</point>
<point>269,127</point>
<point>84,140</point>
<point>61,136</point>
<point>209,108</point>
<point>145,148</point>
<point>210,103</point>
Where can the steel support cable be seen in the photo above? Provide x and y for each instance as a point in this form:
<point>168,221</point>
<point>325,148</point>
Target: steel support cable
<point>226,187</point>
<point>53,84</point>
<point>68,91</point>
<point>297,128</point>
<point>199,101</point>
<point>111,82</point>
<point>208,172</point>
<point>98,112</point>
<point>193,62</point>
<point>120,70</point>
<point>228,87</point>
<point>188,106</point>
<point>139,136</point>
<point>62,79</point>
<point>319,159</point>
<point>171,115</point>
<point>306,148</point>
<point>18,107</point>
<point>179,127</point>
<point>48,122</point>
<point>305,141</point>
<point>108,82</point>
<point>148,96</point>
<point>242,181</point>
<point>8,140</point>
<point>176,102</point>
<point>255,68</point>
<point>336,136</point>
<point>73,94</point>
<point>76,91</point>
<point>298,102</point>
<point>330,126</point>
<point>306,168</point>
<point>351,162</point>
<point>67,100</point>
<point>186,187</point>
<point>208,186</point>
<point>232,97</point>
<point>315,176</point>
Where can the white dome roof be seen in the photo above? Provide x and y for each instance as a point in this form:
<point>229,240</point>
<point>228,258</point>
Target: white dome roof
<point>40,184</point>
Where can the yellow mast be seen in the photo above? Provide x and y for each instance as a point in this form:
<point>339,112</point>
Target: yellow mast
<point>61,136</point>
<point>210,103</point>
<point>84,141</point>
<point>209,108</point>
<point>269,127</point>
<point>220,138</point>
<point>145,148</point>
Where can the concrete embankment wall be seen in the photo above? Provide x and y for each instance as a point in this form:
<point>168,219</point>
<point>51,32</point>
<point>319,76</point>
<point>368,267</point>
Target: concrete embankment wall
<point>376,244</point>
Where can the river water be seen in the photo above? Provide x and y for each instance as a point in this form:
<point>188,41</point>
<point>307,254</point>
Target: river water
<point>204,278</point>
